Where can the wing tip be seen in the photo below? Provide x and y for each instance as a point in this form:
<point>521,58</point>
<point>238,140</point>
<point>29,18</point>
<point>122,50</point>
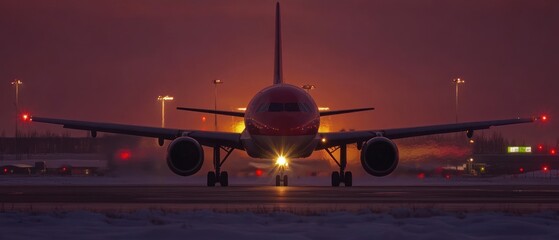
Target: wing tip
<point>541,118</point>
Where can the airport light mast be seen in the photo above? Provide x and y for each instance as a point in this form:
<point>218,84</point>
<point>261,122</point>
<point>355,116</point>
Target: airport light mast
<point>457,82</point>
<point>216,82</point>
<point>16,83</point>
<point>163,99</point>
<point>308,87</point>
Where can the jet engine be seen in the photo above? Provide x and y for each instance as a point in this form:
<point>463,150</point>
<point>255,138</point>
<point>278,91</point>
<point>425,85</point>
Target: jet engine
<point>185,156</point>
<point>379,156</point>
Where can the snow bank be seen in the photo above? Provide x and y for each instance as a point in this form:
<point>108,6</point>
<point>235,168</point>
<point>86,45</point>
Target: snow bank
<point>394,224</point>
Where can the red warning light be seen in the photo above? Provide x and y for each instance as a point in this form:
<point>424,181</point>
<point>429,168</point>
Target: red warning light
<point>125,154</point>
<point>421,175</point>
<point>521,170</point>
<point>5,170</point>
<point>258,172</point>
<point>552,151</point>
<point>204,119</point>
<point>64,169</point>
<point>25,117</point>
<point>545,168</point>
<point>544,118</point>
<point>540,147</point>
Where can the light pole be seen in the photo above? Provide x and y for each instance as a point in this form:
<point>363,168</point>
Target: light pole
<point>308,87</point>
<point>216,82</point>
<point>16,83</point>
<point>457,81</point>
<point>163,99</point>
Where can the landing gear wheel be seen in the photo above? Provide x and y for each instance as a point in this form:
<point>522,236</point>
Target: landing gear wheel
<point>224,179</point>
<point>218,176</point>
<point>211,179</point>
<point>348,179</point>
<point>341,176</point>
<point>285,180</point>
<point>335,179</point>
<point>278,180</point>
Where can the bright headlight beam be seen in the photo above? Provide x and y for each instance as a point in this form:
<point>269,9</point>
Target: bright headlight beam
<point>281,161</point>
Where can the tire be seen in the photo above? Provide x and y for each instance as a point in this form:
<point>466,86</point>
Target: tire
<point>348,179</point>
<point>335,179</point>
<point>278,180</point>
<point>284,180</point>
<point>224,179</point>
<point>211,179</point>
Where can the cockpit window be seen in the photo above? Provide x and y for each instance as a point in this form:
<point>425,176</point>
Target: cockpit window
<point>263,107</point>
<point>292,107</point>
<point>284,107</point>
<point>276,107</point>
<point>304,107</point>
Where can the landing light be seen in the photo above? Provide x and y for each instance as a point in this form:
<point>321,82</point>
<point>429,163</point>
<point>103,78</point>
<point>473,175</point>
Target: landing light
<point>281,161</point>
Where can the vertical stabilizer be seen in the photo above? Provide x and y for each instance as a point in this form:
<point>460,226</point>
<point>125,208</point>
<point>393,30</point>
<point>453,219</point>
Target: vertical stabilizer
<point>278,71</point>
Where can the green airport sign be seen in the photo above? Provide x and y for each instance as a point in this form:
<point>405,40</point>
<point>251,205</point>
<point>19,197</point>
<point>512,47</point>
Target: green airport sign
<point>519,149</point>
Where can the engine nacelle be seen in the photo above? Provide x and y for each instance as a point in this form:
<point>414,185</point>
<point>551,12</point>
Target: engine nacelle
<point>379,156</point>
<point>185,156</point>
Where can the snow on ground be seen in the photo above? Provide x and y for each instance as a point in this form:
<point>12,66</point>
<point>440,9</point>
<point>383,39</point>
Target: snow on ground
<point>394,224</point>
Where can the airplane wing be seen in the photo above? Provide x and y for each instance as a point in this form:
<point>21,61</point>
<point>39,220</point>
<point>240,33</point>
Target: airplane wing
<point>242,114</point>
<point>328,113</point>
<point>220,112</point>
<point>206,138</point>
<point>332,139</point>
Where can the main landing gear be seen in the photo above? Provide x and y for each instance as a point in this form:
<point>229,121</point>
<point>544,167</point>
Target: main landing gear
<point>281,177</point>
<point>218,176</point>
<point>342,176</point>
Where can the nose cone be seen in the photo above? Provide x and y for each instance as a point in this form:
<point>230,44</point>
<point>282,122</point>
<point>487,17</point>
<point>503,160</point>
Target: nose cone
<point>282,110</point>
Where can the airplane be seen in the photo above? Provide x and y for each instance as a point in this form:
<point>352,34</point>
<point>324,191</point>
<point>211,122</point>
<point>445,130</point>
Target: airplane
<point>281,122</point>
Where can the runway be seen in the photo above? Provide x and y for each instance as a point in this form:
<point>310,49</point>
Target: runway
<point>460,198</point>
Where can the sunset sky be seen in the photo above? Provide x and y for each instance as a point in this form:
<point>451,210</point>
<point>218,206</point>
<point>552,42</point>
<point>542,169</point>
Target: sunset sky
<point>109,60</point>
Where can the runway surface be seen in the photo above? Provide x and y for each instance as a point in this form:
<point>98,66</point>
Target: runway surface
<point>470,198</point>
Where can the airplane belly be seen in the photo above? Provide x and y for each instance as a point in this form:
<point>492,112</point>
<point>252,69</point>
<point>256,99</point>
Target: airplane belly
<point>263,146</point>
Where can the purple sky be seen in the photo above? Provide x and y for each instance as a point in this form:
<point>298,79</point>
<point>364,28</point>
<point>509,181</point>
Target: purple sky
<point>109,60</point>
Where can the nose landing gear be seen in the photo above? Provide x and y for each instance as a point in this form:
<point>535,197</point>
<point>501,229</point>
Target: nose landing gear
<point>281,178</point>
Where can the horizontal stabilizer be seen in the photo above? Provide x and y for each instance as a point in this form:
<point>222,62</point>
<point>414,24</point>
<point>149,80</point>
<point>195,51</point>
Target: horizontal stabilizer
<point>328,113</point>
<point>227,113</point>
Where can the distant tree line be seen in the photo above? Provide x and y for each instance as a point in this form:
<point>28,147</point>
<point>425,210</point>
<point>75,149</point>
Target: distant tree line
<point>491,142</point>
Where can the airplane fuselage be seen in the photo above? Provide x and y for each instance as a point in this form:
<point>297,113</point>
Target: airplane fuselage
<point>281,120</point>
